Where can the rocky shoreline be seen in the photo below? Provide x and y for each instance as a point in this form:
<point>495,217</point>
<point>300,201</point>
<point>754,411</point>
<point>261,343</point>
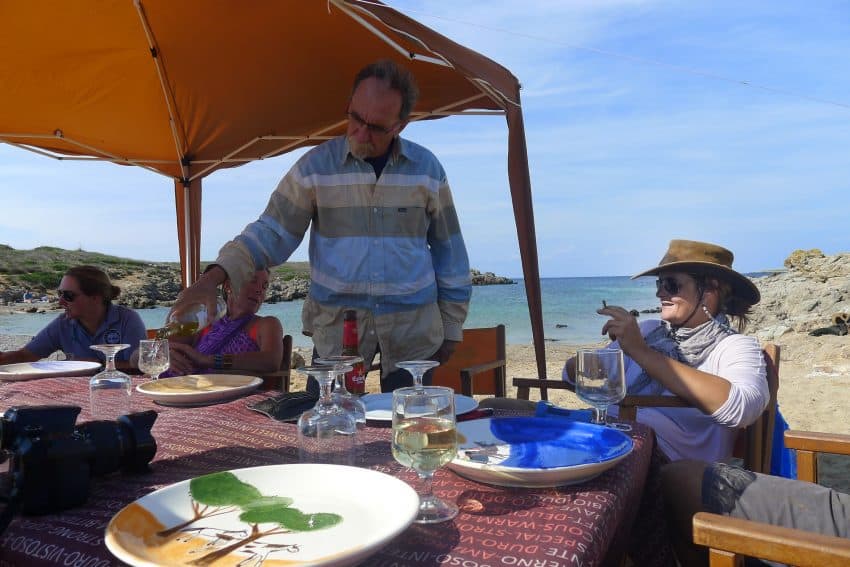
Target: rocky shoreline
<point>159,286</point>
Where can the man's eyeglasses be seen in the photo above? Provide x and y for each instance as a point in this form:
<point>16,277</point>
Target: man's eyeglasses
<point>372,128</point>
<point>67,295</point>
<point>668,284</point>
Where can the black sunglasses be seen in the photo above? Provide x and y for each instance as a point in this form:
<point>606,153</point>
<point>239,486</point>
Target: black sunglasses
<point>373,128</point>
<point>67,295</point>
<point>670,285</point>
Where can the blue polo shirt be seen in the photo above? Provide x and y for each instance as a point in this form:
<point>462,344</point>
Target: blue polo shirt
<point>121,325</point>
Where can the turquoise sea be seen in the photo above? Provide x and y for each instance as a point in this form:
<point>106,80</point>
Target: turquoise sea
<point>566,301</point>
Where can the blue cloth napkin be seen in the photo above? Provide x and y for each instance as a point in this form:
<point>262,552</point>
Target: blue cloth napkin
<point>548,409</point>
<point>783,461</point>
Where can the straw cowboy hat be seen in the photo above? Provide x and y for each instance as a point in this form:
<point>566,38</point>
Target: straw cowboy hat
<point>704,258</point>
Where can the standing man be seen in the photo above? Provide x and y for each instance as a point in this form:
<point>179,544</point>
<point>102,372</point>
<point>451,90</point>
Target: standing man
<point>384,235</point>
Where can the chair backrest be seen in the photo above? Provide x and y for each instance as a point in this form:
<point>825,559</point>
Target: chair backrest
<point>280,380</point>
<point>478,363</point>
<point>755,442</point>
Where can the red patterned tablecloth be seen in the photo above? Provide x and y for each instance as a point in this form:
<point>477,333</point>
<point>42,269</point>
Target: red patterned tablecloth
<point>585,524</point>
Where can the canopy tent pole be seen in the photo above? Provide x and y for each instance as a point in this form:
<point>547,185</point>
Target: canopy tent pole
<point>520,183</point>
<point>187,198</point>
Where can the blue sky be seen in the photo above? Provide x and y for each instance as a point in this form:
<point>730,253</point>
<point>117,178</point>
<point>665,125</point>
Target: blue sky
<point>639,128</point>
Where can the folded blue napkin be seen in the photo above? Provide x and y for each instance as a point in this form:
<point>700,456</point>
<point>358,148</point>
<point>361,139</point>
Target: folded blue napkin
<point>548,409</point>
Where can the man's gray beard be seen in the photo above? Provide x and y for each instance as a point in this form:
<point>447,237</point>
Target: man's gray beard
<point>360,151</point>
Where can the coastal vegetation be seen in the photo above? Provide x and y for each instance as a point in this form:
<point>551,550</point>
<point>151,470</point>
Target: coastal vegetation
<point>143,283</point>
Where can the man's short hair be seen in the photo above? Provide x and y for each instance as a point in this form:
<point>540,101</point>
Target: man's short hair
<point>397,77</point>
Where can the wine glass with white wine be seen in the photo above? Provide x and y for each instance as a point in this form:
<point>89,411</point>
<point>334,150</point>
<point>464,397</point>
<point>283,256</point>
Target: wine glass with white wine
<point>154,358</point>
<point>425,439</point>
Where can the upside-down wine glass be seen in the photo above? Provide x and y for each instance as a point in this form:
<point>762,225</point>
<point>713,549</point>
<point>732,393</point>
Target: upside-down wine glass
<point>154,357</point>
<point>109,390</point>
<point>340,395</point>
<point>417,369</point>
<point>600,380</point>
<point>425,439</point>
<point>327,433</point>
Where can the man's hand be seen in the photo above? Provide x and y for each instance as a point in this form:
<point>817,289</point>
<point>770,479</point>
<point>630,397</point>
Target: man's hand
<point>445,352</point>
<point>205,291</point>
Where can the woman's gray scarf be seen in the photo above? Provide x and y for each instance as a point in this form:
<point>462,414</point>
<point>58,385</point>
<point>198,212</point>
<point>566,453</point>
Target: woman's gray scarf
<point>689,346</point>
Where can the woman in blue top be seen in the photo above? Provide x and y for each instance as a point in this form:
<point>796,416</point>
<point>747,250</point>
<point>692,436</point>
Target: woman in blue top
<point>90,318</point>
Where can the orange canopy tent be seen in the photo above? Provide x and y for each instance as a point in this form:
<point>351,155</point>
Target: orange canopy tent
<point>189,87</point>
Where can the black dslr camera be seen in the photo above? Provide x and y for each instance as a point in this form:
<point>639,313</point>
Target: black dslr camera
<point>51,461</point>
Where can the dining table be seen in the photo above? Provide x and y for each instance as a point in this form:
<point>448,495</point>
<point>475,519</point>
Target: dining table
<point>582,524</point>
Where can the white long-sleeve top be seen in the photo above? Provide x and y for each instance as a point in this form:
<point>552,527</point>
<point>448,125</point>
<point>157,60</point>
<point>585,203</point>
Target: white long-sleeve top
<point>687,433</point>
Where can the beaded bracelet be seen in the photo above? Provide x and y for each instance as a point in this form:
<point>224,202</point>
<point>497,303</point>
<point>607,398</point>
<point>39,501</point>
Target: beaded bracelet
<point>218,361</point>
<point>227,361</point>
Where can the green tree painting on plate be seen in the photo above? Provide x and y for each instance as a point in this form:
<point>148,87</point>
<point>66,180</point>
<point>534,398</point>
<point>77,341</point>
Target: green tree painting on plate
<point>222,492</point>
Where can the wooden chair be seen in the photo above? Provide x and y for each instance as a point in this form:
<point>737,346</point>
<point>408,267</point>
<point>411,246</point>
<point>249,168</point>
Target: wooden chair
<point>730,539</point>
<point>279,380</point>
<point>477,365</point>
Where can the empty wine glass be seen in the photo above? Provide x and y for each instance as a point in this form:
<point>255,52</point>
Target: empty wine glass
<point>340,395</point>
<point>154,357</point>
<point>327,433</point>
<point>110,390</point>
<point>417,369</point>
<point>425,439</point>
<point>600,380</point>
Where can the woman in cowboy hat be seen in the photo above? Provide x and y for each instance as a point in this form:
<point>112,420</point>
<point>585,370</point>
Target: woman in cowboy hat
<point>694,352</point>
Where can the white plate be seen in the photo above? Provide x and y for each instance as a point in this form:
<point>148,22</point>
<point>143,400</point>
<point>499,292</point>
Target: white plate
<point>47,369</point>
<point>372,508</point>
<point>194,389</point>
<point>379,407</point>
<point>536,451</point>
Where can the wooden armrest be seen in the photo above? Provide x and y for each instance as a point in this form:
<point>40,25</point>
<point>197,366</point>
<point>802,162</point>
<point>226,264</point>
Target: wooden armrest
<point>524,385</point>
<point>785,545</point>
<point>818,442</point>
<point>466,375</point>
<point>808,444</point>
<point>479,368</point>
<point>654,401</point>
<point>630,404</point>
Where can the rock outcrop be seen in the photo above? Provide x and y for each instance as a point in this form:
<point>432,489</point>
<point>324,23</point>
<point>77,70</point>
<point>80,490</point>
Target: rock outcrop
<point>488,278</point>
<point>805,297</point>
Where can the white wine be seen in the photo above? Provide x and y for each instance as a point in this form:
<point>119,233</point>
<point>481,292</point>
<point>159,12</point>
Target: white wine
<point>175,329</point>
<point>424,443</point>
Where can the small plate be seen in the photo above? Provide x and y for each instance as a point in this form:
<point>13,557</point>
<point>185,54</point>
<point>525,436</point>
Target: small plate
<point>536,451</point>
<point>379,407</point>
<point>47,369</point>
<point>190,520</point>
<point>198,389</point>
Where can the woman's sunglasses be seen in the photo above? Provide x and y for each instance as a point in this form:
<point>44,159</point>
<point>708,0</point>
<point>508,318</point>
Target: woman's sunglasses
<point>67,295</point>
<point>668,284</point>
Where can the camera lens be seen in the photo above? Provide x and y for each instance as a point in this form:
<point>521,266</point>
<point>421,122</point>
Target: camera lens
<point>125,444</point>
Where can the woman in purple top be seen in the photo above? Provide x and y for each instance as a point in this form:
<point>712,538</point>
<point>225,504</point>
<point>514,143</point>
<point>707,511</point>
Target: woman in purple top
<point>241,340</point>
<point>90,318</point>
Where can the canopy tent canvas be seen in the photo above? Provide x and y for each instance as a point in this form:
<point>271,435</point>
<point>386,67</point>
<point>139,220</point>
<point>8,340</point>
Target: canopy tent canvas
<point>187,88</point>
